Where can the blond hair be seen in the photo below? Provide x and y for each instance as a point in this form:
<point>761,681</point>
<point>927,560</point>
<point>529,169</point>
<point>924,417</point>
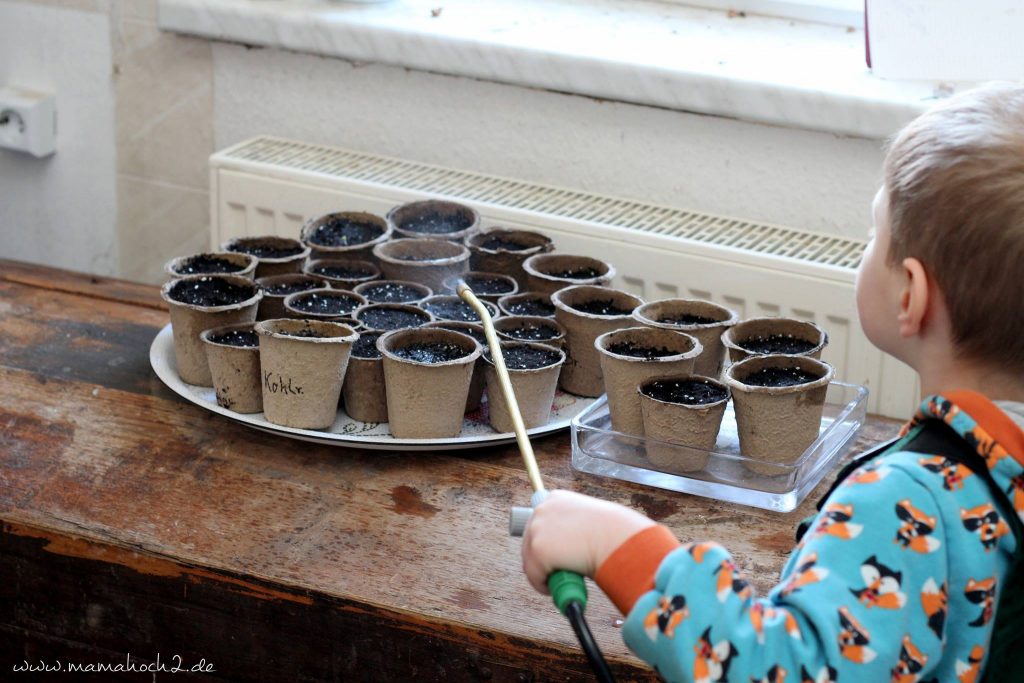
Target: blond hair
<point>955,179</point>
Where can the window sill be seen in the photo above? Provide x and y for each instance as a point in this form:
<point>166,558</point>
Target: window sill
<point>774,71</point>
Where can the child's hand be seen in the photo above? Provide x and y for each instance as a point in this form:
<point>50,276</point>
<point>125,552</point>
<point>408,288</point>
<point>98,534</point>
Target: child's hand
<point>575,532</point>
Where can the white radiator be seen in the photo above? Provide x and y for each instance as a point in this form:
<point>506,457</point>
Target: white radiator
<point>271,186</point>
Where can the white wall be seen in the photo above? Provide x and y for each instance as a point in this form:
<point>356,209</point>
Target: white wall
<point>798,178</point>
<point>61,210</point>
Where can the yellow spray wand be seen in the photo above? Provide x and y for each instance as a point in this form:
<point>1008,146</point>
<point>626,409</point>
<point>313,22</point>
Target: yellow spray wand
<point>568,589</point>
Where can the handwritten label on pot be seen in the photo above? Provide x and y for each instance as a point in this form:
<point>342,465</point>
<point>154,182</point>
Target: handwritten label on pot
<point>280,385</point>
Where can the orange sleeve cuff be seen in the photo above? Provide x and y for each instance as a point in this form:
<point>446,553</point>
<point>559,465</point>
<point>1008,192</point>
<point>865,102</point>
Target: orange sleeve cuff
<point>629,571</point>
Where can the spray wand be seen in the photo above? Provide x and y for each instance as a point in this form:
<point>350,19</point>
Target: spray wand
<point>568,590</point>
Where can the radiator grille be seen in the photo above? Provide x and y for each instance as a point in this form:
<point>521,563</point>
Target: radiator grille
<point>759,238</point>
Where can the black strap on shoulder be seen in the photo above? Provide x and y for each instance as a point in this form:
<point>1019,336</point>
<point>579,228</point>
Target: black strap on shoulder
<point>1007,633</point>
<point>935,437</point>
<point>938,438</point>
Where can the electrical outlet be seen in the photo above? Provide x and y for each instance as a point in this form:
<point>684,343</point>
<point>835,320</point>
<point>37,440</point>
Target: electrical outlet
<point>28,121</point>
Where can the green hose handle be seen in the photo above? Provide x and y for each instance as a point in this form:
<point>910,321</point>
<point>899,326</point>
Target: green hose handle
<point>567,587</point>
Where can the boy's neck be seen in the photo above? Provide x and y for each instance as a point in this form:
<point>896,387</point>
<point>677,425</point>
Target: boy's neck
<point>995,383</point>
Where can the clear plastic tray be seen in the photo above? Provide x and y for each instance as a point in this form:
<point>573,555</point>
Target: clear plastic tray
<point>597,449</point>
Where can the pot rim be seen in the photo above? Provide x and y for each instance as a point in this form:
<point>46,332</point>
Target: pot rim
<point>349,335</point>
<point>372,269</point>
<point>682,377</point>
<point>422,204</point>
<point>538,320</point>
<point>408,307</point>
<point>250,268</point>
<point>522,371</point>
<point>271,280</point>
<point>165,293</point>
<point>638,314</point>
<point>739,387</point>
<point>441,324</point>
<point>387,337</point>
<point>490,306</point>
<point>408,283</point>
<point>334,294</point>
<point>524,296</point>
<point>529,265</point>
<point>730,343</point>
<point>283,259</point>
<point>557,297</point>
<point>313,223</point>
<point>695,350</point>
<point>544,247</point>
<point>451,282</point>
<point>462,253</point>
<point>250,327</point>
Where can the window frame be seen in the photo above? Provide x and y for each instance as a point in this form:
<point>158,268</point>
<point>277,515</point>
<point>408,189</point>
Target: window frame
<point>848,13</point>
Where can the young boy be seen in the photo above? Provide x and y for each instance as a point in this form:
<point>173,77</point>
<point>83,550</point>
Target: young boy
<point>899,575</point>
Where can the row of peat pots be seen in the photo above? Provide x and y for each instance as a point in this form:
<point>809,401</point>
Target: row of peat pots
<point>361,312</point>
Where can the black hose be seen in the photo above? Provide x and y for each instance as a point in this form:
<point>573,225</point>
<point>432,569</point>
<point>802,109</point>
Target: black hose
<point>574,613</point>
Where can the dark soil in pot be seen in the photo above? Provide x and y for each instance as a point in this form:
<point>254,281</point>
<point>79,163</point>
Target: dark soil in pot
<point>366,346</point>
<point>779,377</point>
<point>283,289</point>
<point>391,317</point>
<point>453,308</point>
<point>434,219</point>
<point>305,334</point>
<point>474,330</point>
<point>774,335</point>
<point>532,332</point>
<point>601,307</point>
<point>343,231</point>
<point>208,263</point>
<point>431,352</point>
<point>689,392</point>
<point>209,291</point>
<point>578,273</point>
<point>325,303</point>
<point>503,242</point>
<point>390,292</point>
<point>686,319</point>
<point>339,270</point>
<point>265,251</point>
<point>436,223</point>
<point>489,285</point>
<point>539,305</point>
<point>777,343</point>
<point>639,351</point>
<point>241,338</point>
<point>527,358</point>
<point>548,273</point>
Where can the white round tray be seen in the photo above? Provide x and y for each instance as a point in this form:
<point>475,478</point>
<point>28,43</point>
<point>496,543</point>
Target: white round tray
<point>345,431</point>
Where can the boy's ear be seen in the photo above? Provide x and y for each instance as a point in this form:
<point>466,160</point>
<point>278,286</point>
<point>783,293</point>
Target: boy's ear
<point>914,299</point>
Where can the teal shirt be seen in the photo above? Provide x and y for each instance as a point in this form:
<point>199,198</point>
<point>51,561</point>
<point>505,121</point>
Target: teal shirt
<point>896,580</point>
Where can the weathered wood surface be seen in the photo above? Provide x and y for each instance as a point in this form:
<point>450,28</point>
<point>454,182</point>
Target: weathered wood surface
<point>134,521</point>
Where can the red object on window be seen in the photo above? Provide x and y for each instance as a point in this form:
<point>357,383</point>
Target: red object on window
<point>867,37</point>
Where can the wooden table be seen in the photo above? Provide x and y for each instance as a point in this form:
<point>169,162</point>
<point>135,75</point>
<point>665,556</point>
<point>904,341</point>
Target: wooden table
<point>136,522</point>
